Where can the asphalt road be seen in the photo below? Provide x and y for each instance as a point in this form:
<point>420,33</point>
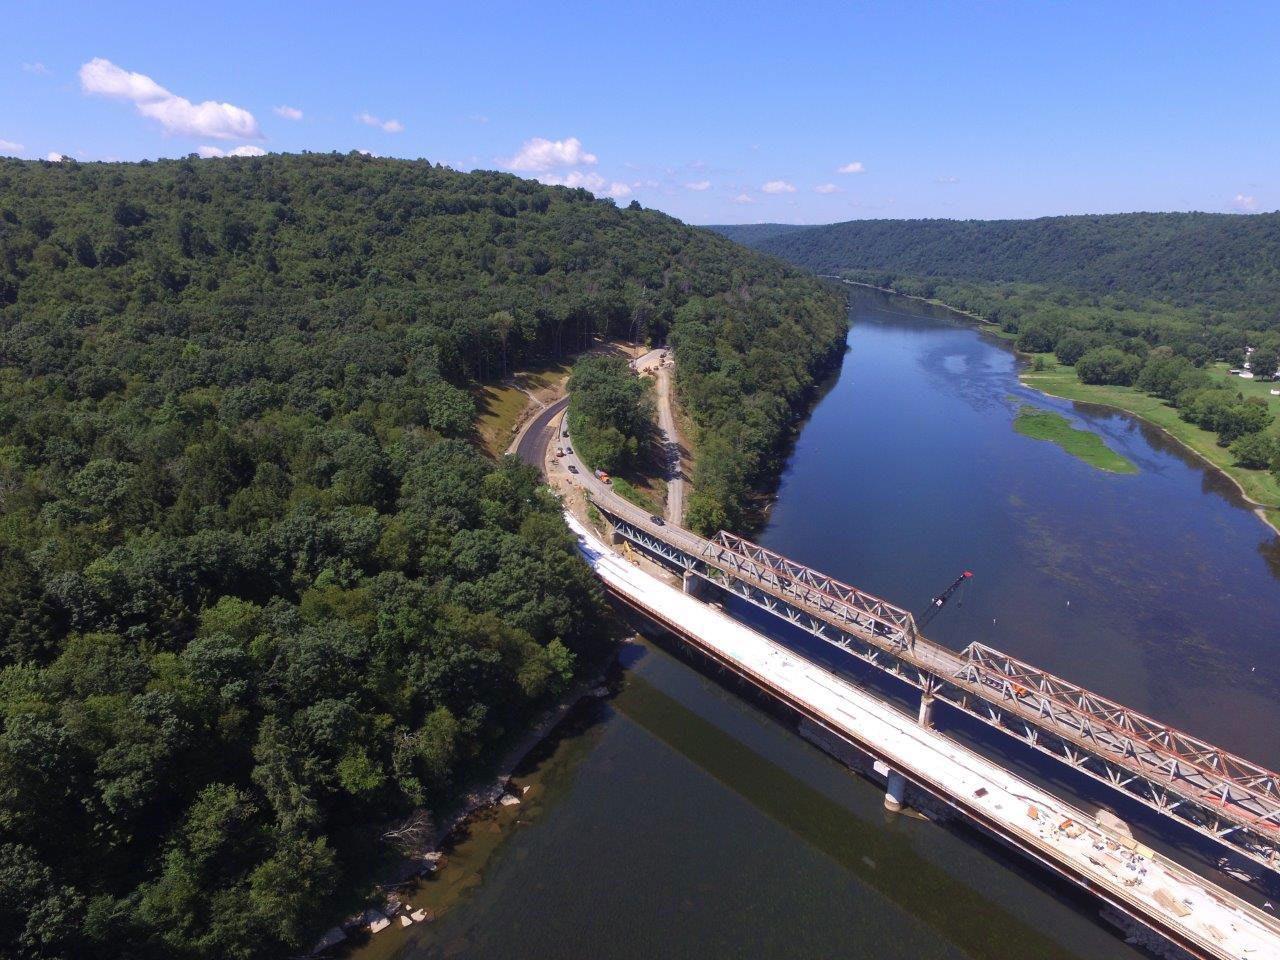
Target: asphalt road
<point>532,447</point>
<point>544,427</point>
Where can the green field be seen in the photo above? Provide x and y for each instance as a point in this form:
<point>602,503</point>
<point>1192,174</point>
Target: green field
<point>628,491</point>
<point>1087,446</point>
<point>500,405</point>
<point>1258,485</point>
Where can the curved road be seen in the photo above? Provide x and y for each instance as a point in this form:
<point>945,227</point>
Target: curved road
<point>533,443</point>
<point>542,429</point>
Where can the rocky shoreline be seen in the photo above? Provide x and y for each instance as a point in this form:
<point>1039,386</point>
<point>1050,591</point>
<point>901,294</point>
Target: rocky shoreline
<point>428,854</point>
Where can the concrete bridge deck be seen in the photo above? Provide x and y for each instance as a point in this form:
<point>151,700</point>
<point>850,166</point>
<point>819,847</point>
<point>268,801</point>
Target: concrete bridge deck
<point>1219,795</point>
<point>1157,893</point>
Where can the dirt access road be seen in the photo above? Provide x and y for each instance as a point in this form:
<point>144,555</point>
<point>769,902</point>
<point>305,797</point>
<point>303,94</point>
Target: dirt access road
<point>662,366</point>
<point>532,443</point>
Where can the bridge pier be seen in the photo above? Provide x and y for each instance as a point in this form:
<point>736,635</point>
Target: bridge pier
<point>895,791</point>
<point>693,585</point>
<point>926,710</point>
<point>615,538</point>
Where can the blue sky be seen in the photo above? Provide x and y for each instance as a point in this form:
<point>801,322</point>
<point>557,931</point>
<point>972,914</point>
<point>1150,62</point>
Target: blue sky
<point>719,112</point>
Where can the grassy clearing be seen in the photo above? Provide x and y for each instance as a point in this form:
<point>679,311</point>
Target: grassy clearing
<point>1082,444</point>
<point>501,406</point>
<point>628,491</point>
<point>549,378</point>
<point>499,409</point>
<point>1258,485</point>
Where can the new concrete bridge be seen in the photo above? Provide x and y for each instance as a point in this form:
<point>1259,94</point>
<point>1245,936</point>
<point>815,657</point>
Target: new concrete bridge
<point>1218,795</point>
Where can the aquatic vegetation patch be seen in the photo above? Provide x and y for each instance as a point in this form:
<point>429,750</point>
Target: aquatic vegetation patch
<point>1087,446</point>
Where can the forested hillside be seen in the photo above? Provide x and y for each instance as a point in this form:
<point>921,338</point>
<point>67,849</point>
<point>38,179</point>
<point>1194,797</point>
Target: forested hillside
<point>1147,301</point>
<point>753,234</point>
<point>1222,261</point>
<point>261,594</point>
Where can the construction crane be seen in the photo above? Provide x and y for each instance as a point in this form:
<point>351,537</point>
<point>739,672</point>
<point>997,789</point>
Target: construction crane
<point>940,601</point>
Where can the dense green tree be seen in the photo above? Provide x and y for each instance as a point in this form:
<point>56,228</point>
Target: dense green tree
<point>1222,261</point>
<point>1254,450</point>
<point>260,591</point>
<point>1264,362</point>
<point>1107,365</point>
<point>610,412</point>
<point>1074,344</point>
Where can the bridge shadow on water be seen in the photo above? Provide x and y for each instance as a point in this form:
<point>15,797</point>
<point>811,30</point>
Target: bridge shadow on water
<point>899,857</point>
<point>1159,832</point>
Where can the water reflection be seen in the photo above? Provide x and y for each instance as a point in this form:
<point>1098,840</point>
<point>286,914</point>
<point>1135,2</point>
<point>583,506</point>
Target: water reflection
<point>695,826</point>
<point>1159,589</point>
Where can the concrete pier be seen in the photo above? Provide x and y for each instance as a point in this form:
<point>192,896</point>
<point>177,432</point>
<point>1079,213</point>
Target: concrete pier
<point>926,711</point>
<point>1162,896</point>
<point>693,586</point>
<point>895,790</point>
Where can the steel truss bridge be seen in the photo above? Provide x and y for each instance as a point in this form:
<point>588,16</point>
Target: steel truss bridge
<point>1217,794</point>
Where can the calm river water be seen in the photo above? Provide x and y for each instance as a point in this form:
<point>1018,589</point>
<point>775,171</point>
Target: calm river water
<point>678,820</point>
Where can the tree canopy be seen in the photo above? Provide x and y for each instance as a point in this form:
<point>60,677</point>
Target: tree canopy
<point>1222,261</point>
<point>260,590</point>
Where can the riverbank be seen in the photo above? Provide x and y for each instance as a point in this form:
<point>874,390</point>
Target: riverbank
<point>1258,487</point>
<point>447,862</point>
<point>910,296</point>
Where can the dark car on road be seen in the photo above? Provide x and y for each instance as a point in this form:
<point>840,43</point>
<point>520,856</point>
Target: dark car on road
<point>572,468</point>
<point>655,519</point>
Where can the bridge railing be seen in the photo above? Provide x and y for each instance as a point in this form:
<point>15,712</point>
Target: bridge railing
<point>1245,791</point>
<point>741,556</point>
<point>1216,793</point>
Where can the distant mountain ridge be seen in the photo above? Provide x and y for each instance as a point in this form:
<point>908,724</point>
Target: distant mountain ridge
<point>753,234</point>
<point>1222,261</point>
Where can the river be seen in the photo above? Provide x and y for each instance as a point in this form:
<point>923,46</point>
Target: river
<point>678,819</point>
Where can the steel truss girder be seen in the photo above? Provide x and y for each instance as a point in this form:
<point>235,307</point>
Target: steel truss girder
<point>739,557</point>
<point>1217,794</point>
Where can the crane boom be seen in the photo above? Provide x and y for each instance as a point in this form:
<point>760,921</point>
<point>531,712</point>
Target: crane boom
<point>940,601</point>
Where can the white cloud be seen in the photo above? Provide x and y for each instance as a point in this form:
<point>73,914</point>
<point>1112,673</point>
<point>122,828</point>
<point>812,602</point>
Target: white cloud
<point>647,184</point>
<point>574,178</point>
<point>248,150</point>
<point>946,179</point>
<point>698,185</point>
<point>36,67</point>
<point>222,121</point>
<point>541,154</point>
<point>588,181</point>
<point>778,186</point>
<point>744,198</point>
<point>1242,202</point>
<point>8,146</point>
<point>54,157</point>
<point>289,113</point>
<point>479,118</point>
<point>367,153</point>
<point>853,167</point>
<point>386,126</point>
<point>828,188</point>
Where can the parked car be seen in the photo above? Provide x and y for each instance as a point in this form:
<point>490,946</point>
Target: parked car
<point>657,520</point>
<point>572,468</point>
